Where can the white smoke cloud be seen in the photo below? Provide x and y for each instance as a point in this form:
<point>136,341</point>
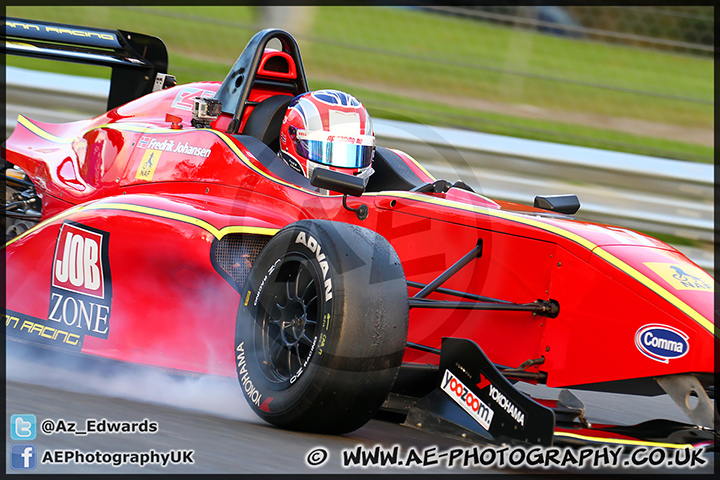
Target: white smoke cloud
<point>215,395</point>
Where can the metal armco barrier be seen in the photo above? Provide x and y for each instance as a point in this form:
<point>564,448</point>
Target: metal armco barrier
<point>634,191</point>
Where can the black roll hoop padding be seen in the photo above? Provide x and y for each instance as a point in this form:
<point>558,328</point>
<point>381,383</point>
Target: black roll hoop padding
<point>235,89</point>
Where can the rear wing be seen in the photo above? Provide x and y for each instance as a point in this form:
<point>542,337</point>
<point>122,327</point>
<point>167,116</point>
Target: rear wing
<point>138,62</point>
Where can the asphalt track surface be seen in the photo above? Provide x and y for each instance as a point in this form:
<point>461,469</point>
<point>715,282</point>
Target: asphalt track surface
<point>208,416</point>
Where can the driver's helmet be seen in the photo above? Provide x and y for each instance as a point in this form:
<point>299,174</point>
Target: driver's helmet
<point>328,129</point>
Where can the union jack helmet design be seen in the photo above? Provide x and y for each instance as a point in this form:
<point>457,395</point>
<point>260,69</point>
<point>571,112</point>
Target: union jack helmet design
<point>327,128</point>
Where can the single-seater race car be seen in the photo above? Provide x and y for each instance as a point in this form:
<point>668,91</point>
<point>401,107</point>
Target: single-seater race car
<point>168,232</point>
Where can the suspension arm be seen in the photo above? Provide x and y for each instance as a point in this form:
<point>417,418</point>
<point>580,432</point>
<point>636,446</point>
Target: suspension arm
<point>540,307</point>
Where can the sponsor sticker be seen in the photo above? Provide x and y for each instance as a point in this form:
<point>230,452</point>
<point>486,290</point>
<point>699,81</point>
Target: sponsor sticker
<point>462,395</point>
<point>503,402</point>
<point>38,331</point>
<point>146,170</point>
<point>54,32</point>
<point>185,97</point>
<point>81,287</point>
<point>158,146</point>
<point>683,276</point>
<point>77,266</point>
<point>661,343</point>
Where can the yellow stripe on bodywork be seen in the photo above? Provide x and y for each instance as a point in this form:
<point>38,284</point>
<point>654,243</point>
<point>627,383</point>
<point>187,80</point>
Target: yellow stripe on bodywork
<point>682,306</point>
<point>25,122</point>
<point>155,212</point>
<point>587,438</point>
<point>496,213</point>
<point>64,214</point>
<point>180,217</point>
<point>415,162</point>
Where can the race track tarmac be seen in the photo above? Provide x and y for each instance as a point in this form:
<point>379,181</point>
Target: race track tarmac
<point>208,417</point>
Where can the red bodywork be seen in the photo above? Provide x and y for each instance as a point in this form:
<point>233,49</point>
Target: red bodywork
<point>161,196</point>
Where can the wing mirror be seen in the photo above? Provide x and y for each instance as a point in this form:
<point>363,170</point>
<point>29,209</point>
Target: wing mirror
<point>568,204</point>
<point>337,182</point>
<point>343,183</point>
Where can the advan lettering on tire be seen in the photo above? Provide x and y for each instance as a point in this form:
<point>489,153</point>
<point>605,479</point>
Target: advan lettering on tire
<point>316,248</point>
<point>305,359</point>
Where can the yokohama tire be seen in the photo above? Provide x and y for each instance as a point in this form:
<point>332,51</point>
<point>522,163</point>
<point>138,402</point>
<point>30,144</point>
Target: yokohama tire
<point>321,328</point>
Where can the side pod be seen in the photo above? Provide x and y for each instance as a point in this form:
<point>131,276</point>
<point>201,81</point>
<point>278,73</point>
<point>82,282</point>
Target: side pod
<point>475,401</point>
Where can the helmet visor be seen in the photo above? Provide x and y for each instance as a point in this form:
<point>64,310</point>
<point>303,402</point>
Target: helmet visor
<point>336,150</point>
<point>336,154</point>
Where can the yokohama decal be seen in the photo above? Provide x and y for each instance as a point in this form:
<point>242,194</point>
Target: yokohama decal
<point>504,402</point>
<point>81,288</point>
<point>246,383</point>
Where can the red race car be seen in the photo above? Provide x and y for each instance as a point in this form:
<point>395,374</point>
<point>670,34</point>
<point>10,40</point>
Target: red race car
<point>169,232</point>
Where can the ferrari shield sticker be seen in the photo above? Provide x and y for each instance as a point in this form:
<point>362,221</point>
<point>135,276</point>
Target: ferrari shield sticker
<point>81,286</point>
<point>683,276</point>
<point>146,170</point>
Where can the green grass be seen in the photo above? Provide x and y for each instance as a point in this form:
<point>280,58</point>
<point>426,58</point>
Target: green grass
<point>402,63</point>
<point>395,107</point>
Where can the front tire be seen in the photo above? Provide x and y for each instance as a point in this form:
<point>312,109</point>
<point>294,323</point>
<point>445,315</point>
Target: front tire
<point>321,331</point>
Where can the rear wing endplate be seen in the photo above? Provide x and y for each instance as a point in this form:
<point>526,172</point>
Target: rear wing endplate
<point>135,59</point>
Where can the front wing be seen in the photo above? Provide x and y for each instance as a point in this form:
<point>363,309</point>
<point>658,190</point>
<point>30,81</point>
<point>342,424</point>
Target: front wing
<point>474,401</point>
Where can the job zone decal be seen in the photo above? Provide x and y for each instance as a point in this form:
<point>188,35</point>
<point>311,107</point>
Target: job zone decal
<point>81,287</point>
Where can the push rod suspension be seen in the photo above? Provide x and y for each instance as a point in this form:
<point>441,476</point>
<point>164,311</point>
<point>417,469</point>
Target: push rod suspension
<point>509,372</point>
<point>455,293</point>
<point>476,252</point>
<point>540,307</point>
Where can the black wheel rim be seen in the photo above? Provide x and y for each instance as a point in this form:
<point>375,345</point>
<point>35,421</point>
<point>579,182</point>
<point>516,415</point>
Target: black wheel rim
<point>288,321</point>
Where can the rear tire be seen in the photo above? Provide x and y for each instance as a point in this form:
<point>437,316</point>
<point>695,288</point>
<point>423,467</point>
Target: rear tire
<point>321,331</point>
